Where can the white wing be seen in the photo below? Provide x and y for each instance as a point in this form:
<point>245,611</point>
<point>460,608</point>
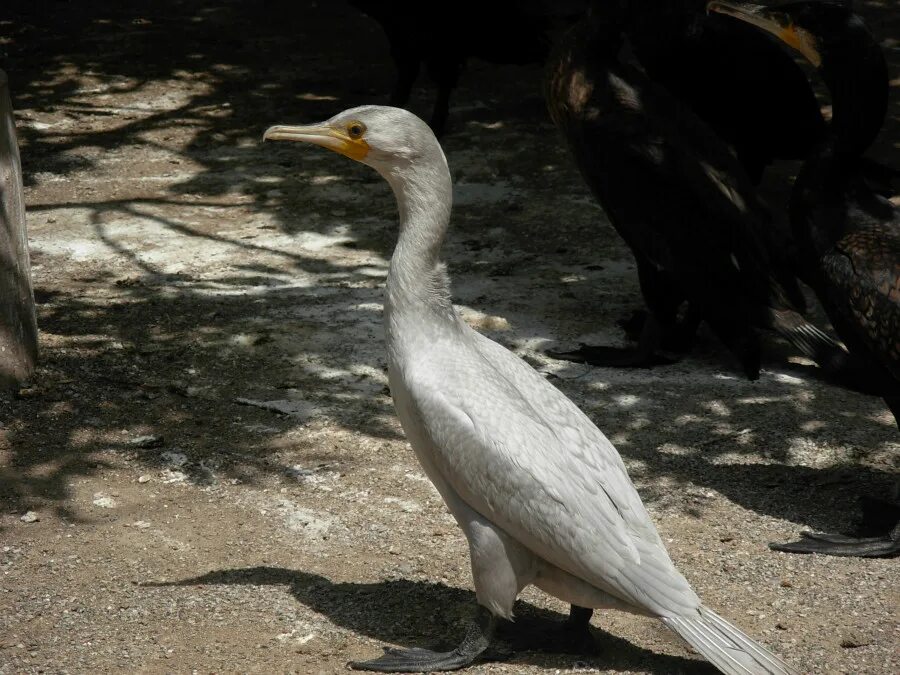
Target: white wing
<point>524,456</point>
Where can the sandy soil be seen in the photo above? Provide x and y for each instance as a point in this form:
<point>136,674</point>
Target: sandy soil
<point>187,275</point>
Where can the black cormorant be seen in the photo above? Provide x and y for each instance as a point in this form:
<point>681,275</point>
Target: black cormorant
<point>848,235</point>
<point>678,197</point>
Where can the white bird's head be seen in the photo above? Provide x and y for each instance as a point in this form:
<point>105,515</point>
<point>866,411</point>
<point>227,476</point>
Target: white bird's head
<point>380,136</point>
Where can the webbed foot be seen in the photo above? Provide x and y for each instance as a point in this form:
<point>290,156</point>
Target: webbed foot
<point>880,521</point>
<point>414,660</point>
<point>842,545</point>
<point>476,644</point>
<point>612,357</point>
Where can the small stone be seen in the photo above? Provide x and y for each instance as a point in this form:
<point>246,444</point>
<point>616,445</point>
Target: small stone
<point>146,478</point>
<point>853,639</point>
<point>781,625</point>
<point>148,441</point>
<point>30,517</point>
<point>104,502</point>
<point>172,476</point>
<point>141,524</point>
<point>786,584</point>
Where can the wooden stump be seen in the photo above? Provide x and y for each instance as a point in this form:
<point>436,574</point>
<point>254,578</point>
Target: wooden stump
<point>18,325</point>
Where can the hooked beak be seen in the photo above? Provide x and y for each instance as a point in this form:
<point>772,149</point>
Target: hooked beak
<point>321,134</point>
<point>778,23</point>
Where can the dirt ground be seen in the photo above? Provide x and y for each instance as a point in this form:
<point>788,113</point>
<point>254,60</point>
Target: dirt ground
<point>209,447</point>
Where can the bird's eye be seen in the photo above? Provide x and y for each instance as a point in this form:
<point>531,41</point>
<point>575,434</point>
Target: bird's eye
<point>356,129</point>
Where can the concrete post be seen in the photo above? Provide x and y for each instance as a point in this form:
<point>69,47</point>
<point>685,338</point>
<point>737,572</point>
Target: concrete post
<point>18,324</point>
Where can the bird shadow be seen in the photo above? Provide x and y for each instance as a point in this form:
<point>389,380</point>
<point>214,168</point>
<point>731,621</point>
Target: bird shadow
<point>361,608</point>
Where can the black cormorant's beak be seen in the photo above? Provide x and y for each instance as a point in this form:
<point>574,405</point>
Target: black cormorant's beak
<point>776,21</point>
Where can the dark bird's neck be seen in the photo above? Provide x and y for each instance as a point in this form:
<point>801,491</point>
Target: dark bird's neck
<point>855,72</point>
<point>831,196</point>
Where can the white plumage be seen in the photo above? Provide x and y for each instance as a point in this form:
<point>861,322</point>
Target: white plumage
<point>541,494</point>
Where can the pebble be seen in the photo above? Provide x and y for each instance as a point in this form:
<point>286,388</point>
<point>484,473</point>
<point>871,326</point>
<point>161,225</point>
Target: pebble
<point>853,639</point>
<point>146,478</point>
<point>30,517</point>
<point>104,502</point>
<point>170,476</point>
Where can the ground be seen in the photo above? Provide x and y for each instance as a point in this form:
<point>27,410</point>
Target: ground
<point>209,468</point>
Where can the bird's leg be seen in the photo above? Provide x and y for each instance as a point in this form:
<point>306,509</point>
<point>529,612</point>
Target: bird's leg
<point>445,72</point>
<point>877,516</point>
<point>441,110</point>
<point>634,324</point>
<point>579,619</point>
<point>663,296</point>
<point>736,333</point>
<point>577,629</point>
<point>677,335</point>
<point>479,637</point>
<point>680,335</point>
<point>407,64</point>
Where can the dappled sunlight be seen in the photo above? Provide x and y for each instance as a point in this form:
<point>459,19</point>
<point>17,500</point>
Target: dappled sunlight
<point>213,363</point>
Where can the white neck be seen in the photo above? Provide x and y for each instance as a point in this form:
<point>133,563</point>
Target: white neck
<point>417,282</point>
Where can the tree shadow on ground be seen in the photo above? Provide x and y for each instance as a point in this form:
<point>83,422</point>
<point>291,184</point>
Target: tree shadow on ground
<point>88,78</point>
<point>361,608</point>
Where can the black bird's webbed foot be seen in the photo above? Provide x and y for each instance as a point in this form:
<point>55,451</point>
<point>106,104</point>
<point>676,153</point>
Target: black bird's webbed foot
<point>643,356</point>
<point>842,545</point>
<point>612,357</point>
<point>477,643</point>
<point>875,514</point>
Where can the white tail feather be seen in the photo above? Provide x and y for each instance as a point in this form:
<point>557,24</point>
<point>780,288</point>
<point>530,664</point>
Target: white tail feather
<point>727,647</point>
